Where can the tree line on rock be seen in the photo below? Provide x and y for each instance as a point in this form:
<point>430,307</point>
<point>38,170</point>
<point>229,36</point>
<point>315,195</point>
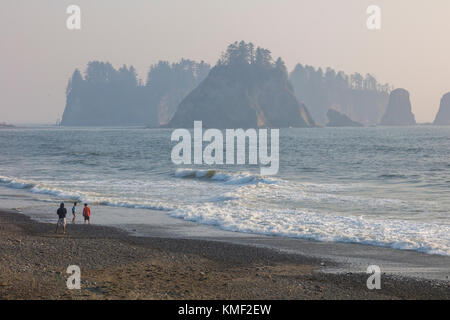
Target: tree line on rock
<point>246,89</point>
<point>361,98</point>
<point>105,96</point>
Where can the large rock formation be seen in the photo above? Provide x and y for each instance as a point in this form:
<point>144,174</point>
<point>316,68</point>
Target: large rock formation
<point>398,112</point>
<point>109,97</point>
<point>362,98</point>
<point>443,115</point>
<point>337,119</point>
<point>246,89</point>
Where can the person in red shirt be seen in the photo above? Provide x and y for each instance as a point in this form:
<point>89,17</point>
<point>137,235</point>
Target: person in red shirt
<point>87,213</point>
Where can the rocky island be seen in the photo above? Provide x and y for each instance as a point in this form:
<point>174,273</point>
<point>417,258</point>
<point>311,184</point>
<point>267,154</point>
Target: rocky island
<point>361,98</point>
<point>246,89</point>
<point>337,119</point>
<point>398,112</point>
<point>443,115</point>
<point>105,96</point>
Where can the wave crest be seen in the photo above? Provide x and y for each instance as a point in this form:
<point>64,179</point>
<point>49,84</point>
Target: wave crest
<point>238,178</point>
<point>79,196</point>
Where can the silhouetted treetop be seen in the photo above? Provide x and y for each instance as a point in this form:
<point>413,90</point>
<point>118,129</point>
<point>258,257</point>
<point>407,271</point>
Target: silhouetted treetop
<point>170,83</point>
<point>359,97</point>
<point>106,96</point>
<point>186,71</point>
<point>246,89</point>
<point>75,83</point>
<point>242,53</point>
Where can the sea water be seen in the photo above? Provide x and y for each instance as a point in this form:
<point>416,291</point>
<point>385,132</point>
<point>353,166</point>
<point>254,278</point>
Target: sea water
<point>379,186</point>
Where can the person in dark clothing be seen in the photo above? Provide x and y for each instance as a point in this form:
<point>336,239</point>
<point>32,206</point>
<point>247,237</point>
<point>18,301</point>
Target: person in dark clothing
<point>61,212</point>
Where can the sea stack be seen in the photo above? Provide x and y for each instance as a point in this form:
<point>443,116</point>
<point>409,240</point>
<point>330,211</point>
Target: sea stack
<point>398,112</point>
<point>5,125</point>
<point>337,119</point>
<point>443,115</point>
<point>246,89</point>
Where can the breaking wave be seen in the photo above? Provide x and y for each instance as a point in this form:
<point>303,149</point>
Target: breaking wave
<point>241,178</point>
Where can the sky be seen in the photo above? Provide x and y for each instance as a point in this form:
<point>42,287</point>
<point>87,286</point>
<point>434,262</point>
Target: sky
<point>38,53</point>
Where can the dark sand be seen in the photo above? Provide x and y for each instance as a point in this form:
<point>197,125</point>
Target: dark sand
<point>114,265</point>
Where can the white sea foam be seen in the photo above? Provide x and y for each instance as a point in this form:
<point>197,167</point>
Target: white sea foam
<point>40,188</point>
<point>136,205</point>
<point>249,203</point>
<point>400,234</point>
<point>16,183</point>
<point>81,196</point>
<point>238,178</point>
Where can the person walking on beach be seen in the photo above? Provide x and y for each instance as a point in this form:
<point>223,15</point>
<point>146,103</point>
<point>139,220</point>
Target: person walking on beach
<point>74,212</point>
<point>61,212</point>
<point>87,214</point>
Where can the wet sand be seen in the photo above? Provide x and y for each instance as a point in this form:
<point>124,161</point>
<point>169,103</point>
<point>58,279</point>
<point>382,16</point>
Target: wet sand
<point>116,265</point>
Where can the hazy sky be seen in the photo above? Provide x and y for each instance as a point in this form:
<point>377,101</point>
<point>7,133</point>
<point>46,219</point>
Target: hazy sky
<point>38,53</point>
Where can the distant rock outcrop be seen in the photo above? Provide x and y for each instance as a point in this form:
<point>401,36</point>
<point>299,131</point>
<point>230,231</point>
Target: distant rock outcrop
<point>5,125</point>
<point>398,112</point>
<point>246,89</point>
<point>105,96</point>
<point>362,98</point>
<point>443,115</point>
<point>337,119</point>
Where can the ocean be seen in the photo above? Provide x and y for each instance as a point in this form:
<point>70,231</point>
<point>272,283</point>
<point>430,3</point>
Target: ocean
<point>379,186</point>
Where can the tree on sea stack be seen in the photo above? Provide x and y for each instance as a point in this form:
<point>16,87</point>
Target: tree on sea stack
<point>246,89</point>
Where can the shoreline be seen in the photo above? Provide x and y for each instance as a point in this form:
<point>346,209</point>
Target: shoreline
<point>117,265</point>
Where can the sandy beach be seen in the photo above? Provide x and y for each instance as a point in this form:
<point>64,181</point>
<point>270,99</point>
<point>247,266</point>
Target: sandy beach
<point>116,265</point>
